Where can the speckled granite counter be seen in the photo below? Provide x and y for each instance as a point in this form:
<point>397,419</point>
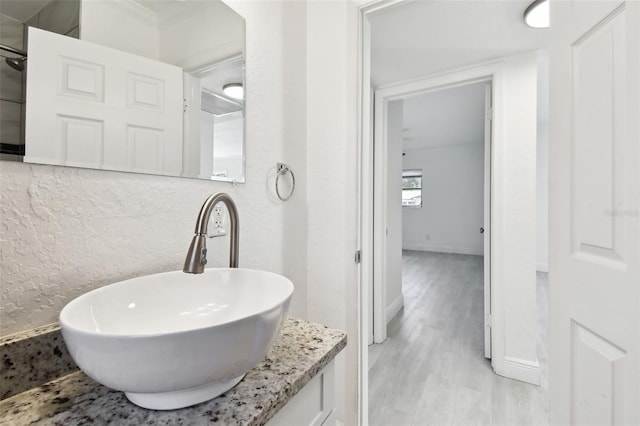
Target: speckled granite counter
<point>31,358</point>
<point>299,353</point>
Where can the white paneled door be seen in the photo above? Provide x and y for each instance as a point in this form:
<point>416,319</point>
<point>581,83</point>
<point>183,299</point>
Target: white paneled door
<point>96,107</point>
<point>594,356</point>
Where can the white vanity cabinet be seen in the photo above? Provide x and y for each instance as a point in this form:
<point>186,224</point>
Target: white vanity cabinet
<point>313,405</point>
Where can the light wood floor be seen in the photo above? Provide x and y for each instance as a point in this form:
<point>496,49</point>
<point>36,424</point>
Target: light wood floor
<point>432,370</point>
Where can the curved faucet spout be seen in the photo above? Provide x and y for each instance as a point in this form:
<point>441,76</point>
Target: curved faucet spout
<point>197,254</point>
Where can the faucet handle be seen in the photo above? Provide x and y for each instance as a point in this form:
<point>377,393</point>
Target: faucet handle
<point>196,256</point>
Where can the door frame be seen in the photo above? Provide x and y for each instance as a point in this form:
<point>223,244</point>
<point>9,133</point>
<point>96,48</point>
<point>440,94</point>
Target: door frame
<point>378,172</point>
<point>493,71</point>
<point>486,208</point>
<point>364,228</point>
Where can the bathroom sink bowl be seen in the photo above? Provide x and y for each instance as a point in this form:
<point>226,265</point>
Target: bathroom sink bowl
<point>172,340</point>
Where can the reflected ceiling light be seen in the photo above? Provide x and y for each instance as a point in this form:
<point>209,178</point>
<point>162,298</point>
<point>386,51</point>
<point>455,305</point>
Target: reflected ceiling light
<point>537,14</point>
<point>233,90</point>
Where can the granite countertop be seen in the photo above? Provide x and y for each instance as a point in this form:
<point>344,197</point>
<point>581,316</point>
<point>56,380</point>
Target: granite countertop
<point>301,350</point>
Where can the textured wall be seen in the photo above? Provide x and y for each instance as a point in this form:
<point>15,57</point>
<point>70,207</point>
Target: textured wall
<point>65,231</point>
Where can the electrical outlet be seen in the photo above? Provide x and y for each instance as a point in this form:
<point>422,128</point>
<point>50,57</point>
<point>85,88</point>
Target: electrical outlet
<point>217,217</point>
<point>427,237</point>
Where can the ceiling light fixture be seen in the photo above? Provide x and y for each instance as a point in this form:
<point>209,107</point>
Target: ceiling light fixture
<point>537,14</point>
<point>233,90</point>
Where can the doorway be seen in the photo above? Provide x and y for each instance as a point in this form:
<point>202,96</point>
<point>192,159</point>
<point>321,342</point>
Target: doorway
<point>434,258</point>
<point>435,212</point>
<point>434,187</point>
<point>468,96</point>
<point>513,225</point>
<point>435,134</point>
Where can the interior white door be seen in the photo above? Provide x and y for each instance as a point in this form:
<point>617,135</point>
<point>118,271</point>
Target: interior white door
<point>594,360</point>
<point>486,231</point>
<point>96,107</point>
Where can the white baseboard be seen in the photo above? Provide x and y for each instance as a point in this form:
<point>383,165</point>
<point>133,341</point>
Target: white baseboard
<point>442,249</point>
<point>542,267</point>
<point>521,369</point>
<point>394,308</point>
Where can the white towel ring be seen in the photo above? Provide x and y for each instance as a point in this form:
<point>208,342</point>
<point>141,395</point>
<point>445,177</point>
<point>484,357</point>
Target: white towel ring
<point>282,170</point>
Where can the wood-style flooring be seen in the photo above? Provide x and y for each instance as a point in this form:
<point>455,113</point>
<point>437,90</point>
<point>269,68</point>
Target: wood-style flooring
<point>431,370</point>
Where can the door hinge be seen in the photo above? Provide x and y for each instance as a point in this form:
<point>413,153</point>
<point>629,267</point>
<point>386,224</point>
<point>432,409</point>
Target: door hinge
<point>185,105</point>
<point>487,320</point>
<point>358,256</point>
<point>490,113</point>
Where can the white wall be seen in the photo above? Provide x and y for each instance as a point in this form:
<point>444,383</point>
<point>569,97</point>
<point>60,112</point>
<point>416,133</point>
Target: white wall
<point>451,215</point>
<point>332,176</point>
<point>228,132</point>
<point>514,218</point>
<point>542,165</point>
<point>394,212</point>
<point>66,231</point>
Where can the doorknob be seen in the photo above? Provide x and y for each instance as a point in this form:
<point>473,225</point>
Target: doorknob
<point>482,230</point>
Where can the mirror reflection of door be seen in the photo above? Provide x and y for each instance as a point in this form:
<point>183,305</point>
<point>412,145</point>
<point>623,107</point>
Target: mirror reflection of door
<point>95,107</point>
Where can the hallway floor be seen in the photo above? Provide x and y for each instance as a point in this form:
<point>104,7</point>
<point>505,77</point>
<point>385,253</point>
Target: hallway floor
<point>431,370</point>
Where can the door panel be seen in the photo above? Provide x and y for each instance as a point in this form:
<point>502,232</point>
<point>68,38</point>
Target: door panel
<point>81,139</point>
<point>146,149</point>
<point>597,375</point>
<point>598,123</point>
<point>594,359</point>
<point>81,79</point>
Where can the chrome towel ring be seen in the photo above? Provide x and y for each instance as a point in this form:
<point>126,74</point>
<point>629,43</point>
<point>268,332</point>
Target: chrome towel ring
<point>283,169</point>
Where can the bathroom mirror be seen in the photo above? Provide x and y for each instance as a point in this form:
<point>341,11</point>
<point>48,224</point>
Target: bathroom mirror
<point>150,86</point>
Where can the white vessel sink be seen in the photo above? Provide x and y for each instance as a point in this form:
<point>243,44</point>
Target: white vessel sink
<point>172,340</point>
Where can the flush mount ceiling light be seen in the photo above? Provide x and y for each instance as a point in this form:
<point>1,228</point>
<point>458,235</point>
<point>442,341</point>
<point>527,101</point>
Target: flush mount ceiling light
<point>233,90</point>
<point>537,14</point>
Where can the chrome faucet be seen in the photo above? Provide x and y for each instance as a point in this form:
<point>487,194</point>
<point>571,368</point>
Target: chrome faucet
<point>197,254</point>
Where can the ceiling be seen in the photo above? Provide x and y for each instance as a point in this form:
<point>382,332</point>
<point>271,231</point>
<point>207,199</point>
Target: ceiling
<point>418,38</point>
<point>423,37</point>
<point>170,11</point>
<point>222,74</point>
<point>212,83</point>
<point>453,116</point>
